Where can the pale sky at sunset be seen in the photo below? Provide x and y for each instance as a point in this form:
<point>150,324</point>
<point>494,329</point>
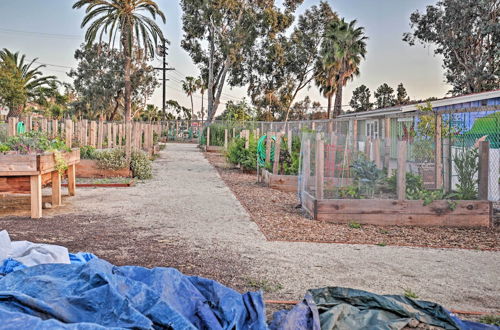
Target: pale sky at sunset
<point>50,30</point>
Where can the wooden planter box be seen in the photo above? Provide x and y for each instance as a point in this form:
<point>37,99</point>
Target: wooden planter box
<point>26,174</point>
<point>287,183</point>
<point>405,212</point>
<point>87,168</point>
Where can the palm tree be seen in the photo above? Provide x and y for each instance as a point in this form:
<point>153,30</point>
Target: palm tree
<point>124,17</point>
<point>30,78</point>
<point>342,50</point>
<point>325,79</point>
<point>189,85</point>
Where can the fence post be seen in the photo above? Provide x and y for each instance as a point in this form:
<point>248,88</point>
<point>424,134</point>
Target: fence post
<point>109,135</point>
<point>320,166</point>
<point>12,128</point>
<point>376,153</point>
<point>44,125</point>
<point>68,130</point>
<point>55,128</point>
<point>268,147</point>
<point>401,178</point>
<point>93,133</point>
<point>225,138</point>
<point>438,158</point>
<point>100,134</point>
<point>247,138</point>
<point>355,138</point>
<point>290,139</point>
<point>277,150</point>
<point>387,151</point>
<point>208,137</point>
<point>307,164</point>
<point>447,164</point>
<point>484,166</point>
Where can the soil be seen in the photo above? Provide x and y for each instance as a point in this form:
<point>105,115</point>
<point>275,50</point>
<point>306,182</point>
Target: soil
<point>280,219</point>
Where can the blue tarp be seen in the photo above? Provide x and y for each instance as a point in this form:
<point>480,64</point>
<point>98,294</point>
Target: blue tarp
<point>97,294</point>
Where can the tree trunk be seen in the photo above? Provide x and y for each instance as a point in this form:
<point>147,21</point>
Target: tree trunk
<point>15,111</point>
<point>192,107</point>
<point>337,109</point>
<point>211,75</point>
<point>128,92</point>
<point>202,105</point>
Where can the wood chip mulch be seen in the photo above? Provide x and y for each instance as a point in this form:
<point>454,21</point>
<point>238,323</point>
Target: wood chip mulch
<point>278,218</point>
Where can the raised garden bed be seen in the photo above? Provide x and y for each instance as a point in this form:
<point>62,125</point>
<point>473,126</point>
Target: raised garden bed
<point>457,213</point>
<point>280,182</point>
<point>28,173</point>
<point>88,168</point>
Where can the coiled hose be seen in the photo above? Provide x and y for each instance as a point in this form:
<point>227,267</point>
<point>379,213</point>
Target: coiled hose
<point>261,150</point>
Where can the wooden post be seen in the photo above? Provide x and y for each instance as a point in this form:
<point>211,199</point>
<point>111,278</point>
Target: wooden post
<point>85,134</point>
<point>234,132</point>
<point>100,134</point>
<point>55,128</point>
<point>268,147</point>
<point>313,125</point>
<point>93,133</point>
<point>56,189</point>
<point>401,178</point>
<point>225,138</point>
<point>330,126</point>
<point>290,140</point>
<point>484,166</point>
<point>247,138</point>
<point>36,196</point>
<point>447,164</point>
<point>12,128</point>
<point>307,164</point>
<point>355,137</point>
<point>68,130</point>
<point>72,180</point>
<point>320,166</point>
<point>28,123</point>
<point>438,159</point>
<point>387,151</point>
<point>277,150</point>
<point>113,134</point>
<point>208,137</point>
<point>376,153</point>
<point>368,148</point>
<point>109,135</point>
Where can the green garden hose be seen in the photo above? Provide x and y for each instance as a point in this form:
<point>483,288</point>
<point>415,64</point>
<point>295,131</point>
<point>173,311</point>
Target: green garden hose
<point>261,150</point>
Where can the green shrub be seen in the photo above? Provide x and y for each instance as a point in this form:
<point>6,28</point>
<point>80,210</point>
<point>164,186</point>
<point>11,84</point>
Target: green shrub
<point>141,165</point>
<point>237,154</point>
<point>88,152</point>
<point>4,147</point>
<point>413,181</point>
<point>111,159</point>
<point>467,166</point>
<point>35,142</point>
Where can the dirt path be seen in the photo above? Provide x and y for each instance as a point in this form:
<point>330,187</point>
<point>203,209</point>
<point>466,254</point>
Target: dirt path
<point>187,207</point>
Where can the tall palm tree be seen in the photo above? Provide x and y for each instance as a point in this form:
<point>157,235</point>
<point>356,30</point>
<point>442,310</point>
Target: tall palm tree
<point>343,48</point>
<point>29,76</point>
<point>325,79</point>
<point>126,18</point>
<point>189,85</point>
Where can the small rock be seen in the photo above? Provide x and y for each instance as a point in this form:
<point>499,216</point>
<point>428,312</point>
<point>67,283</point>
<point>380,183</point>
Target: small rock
<point>413,323</point>
<point>46,205</point>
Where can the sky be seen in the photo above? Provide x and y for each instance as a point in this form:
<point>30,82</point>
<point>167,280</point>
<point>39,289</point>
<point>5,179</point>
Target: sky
<point>50,31</point>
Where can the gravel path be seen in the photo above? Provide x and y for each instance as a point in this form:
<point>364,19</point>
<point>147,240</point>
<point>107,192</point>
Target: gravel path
<point>187,201</point>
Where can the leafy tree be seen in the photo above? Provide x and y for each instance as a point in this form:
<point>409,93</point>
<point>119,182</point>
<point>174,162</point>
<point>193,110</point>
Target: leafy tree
<point>360,100</point>
<point>220,37</point>
<point>189,86</point>
<point>343,48</point>
<point>178,112</point>
<point>126,18</point>
<point>237,111</point>
<point>401,95</point>
<point>20,80</point>
<point>202,85</point>
<point>385,96</point>
<point>99,82</point>
<point>284,64</point>
<point>151,113</point>
<point>466,34</point>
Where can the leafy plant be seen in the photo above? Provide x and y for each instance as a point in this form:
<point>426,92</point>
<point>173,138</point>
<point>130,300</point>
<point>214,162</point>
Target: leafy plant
<point>429,196</point>
<point>382,244</point>
<point>4,147</point>
<point>413,181</point>
<point>141,165</point>
<point>467,166</point>
<point>354,225</point>
<point>367,175</point>
<point>61,164</point>
<point>410,294</point>
<point>237,154</point>
<point>88,152</point>
<point>349,192</point>
<point>490,319</point>
<point>111,159</point>
<point>34,142</point>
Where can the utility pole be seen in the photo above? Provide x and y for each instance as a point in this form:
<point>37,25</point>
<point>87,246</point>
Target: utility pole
<point>162,51</point>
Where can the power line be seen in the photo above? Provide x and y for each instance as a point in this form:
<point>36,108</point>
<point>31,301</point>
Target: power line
<point>42,34</point>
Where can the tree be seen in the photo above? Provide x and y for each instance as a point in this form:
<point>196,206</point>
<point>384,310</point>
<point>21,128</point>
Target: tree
<point>189,86</point>
<point>20,80</point>
<point>284,64</point>
<point>220,38</point>
<point>179,110</point>
<point>342,50</point>
<point>385,96</point>
<point>360,100</point>
<point>237,111</point>
<point>466,34</point>
<point>99,82</point>
<point>124,17</point>
<point>401,95</point>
